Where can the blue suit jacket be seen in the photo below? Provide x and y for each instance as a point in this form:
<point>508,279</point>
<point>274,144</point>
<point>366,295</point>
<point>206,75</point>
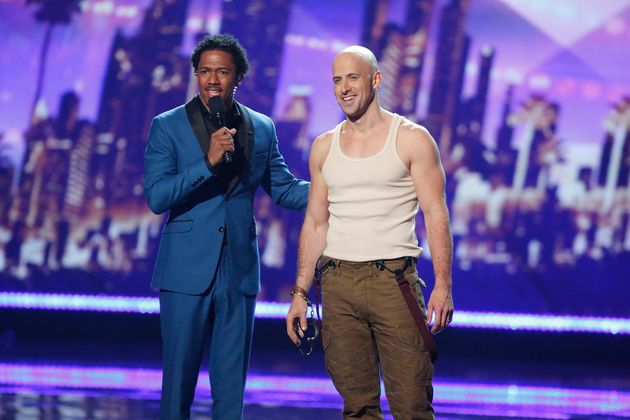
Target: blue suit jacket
<point>177,179</point>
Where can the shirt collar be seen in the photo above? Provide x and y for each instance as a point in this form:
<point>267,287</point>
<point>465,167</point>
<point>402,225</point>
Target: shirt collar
<point>233,117</point>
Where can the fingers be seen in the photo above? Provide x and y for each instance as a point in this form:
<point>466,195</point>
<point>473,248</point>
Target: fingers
<point>289,320</point>
<point>296,323</point>
<point>442,317</point>
<point>221,141</point>
<point>440,309</point>
<point>296,328</point>
<point>437,322</point>
<point>447,318</point>
<point>299,326</point>
<point>291,331</point>
<point>432,316</point>
<point>225,139</point>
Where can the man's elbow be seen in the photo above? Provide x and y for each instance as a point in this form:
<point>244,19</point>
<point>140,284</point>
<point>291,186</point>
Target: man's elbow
<point>437,212</point>
<point>322,228</point>
<point>294,197</point>
<point>156,209</point>
<point>156,206</point>
<point>316,222</point>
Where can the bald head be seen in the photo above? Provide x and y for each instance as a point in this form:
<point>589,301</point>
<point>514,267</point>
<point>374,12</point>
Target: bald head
<point>356,80</point>
<point>360,53</point>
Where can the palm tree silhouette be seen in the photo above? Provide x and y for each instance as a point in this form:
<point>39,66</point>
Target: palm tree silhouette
<point>51,13</point>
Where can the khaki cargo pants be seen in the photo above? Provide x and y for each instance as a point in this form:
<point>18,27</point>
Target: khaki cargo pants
<point>368,331</point>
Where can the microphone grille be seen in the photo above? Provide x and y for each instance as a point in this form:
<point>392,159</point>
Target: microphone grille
<point>216,105</point>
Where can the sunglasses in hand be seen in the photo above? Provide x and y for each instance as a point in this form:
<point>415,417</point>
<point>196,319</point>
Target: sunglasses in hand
<point>307,336</point>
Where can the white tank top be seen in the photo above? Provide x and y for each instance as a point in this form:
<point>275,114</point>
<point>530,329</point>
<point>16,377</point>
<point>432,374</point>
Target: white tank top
<point>373,203</point>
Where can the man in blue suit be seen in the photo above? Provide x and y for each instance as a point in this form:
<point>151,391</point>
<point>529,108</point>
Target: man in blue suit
<point>207,267</point>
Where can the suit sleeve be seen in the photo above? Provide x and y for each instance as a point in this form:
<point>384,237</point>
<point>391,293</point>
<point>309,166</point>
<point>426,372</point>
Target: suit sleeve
<point>284,189</point>
<point>165,183</point>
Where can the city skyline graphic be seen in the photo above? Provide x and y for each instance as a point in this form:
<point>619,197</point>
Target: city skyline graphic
<point>528,102</point>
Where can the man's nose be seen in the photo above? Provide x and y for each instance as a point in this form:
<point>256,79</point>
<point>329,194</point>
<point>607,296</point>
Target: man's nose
<point>213,79</point>
<point>345,86</point>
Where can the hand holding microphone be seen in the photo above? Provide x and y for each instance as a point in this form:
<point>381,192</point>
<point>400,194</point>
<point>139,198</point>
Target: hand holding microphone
<point>221,146</point>
<point>221,141</point>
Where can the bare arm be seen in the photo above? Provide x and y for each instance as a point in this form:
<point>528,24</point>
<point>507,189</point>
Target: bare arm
<point>419,150</point>
<point>313,235</point>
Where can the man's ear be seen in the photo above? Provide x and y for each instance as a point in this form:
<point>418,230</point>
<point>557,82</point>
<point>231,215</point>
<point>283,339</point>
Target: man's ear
<point>239,79</point>
<point>376,80</point>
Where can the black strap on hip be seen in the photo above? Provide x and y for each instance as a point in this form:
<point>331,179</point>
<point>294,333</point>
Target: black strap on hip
<point>318,282</point>
<point>412,304</point>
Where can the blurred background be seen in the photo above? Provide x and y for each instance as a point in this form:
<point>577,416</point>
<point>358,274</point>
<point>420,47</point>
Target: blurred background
<point>529,102</point>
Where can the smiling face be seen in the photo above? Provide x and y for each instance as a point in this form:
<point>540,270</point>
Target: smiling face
<point>355,79</point>
<point>217,76</point>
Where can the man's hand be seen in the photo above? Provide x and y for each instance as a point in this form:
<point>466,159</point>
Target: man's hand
<point>440,308</point>
<point>296,310</point>
<point>221,141</point>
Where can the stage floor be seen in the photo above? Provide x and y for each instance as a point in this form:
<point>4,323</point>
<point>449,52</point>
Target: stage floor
<point>82,382</point>
<point>83,365</point>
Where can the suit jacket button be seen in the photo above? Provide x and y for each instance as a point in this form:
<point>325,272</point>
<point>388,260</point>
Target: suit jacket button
<point>221,229</point>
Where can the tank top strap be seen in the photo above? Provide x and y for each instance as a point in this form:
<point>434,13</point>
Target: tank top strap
<point>335,146</point>
<point>393,132</point>
<point>337,134</point>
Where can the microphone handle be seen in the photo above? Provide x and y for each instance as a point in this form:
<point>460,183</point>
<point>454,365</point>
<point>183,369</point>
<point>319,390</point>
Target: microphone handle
<point>227,156</point>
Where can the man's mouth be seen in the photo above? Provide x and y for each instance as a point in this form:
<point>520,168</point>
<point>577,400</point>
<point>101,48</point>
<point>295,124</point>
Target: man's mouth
<point>213,92</point>
<point>348,98</point>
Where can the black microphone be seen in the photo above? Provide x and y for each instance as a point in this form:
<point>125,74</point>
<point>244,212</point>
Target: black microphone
<point>217,110</point>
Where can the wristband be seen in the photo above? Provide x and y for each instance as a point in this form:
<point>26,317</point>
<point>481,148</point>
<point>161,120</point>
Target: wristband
<point>297,290</point>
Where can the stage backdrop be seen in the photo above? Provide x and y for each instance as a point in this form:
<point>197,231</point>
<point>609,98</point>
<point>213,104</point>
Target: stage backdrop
<point>529,102</point>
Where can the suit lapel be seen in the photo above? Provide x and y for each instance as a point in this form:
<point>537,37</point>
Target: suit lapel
<point>198,126</point>
<point>245,135</point>
<point>245,141</point>
<point>248,128</point>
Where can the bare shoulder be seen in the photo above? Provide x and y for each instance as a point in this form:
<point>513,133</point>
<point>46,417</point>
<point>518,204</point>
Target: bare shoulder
<point>320,147</point>
<point>415,135</point>
<point>323,140</point>
<point>415,142</point>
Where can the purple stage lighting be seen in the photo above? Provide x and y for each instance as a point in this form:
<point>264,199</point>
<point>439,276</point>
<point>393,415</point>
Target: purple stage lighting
<point>475,397</point>
<point>278,310</point>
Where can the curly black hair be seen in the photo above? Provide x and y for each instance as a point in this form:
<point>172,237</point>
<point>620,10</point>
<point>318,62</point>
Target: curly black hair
<point>222,42</point>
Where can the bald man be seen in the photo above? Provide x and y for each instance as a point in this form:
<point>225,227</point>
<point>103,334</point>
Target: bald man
<point>369,175</point>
